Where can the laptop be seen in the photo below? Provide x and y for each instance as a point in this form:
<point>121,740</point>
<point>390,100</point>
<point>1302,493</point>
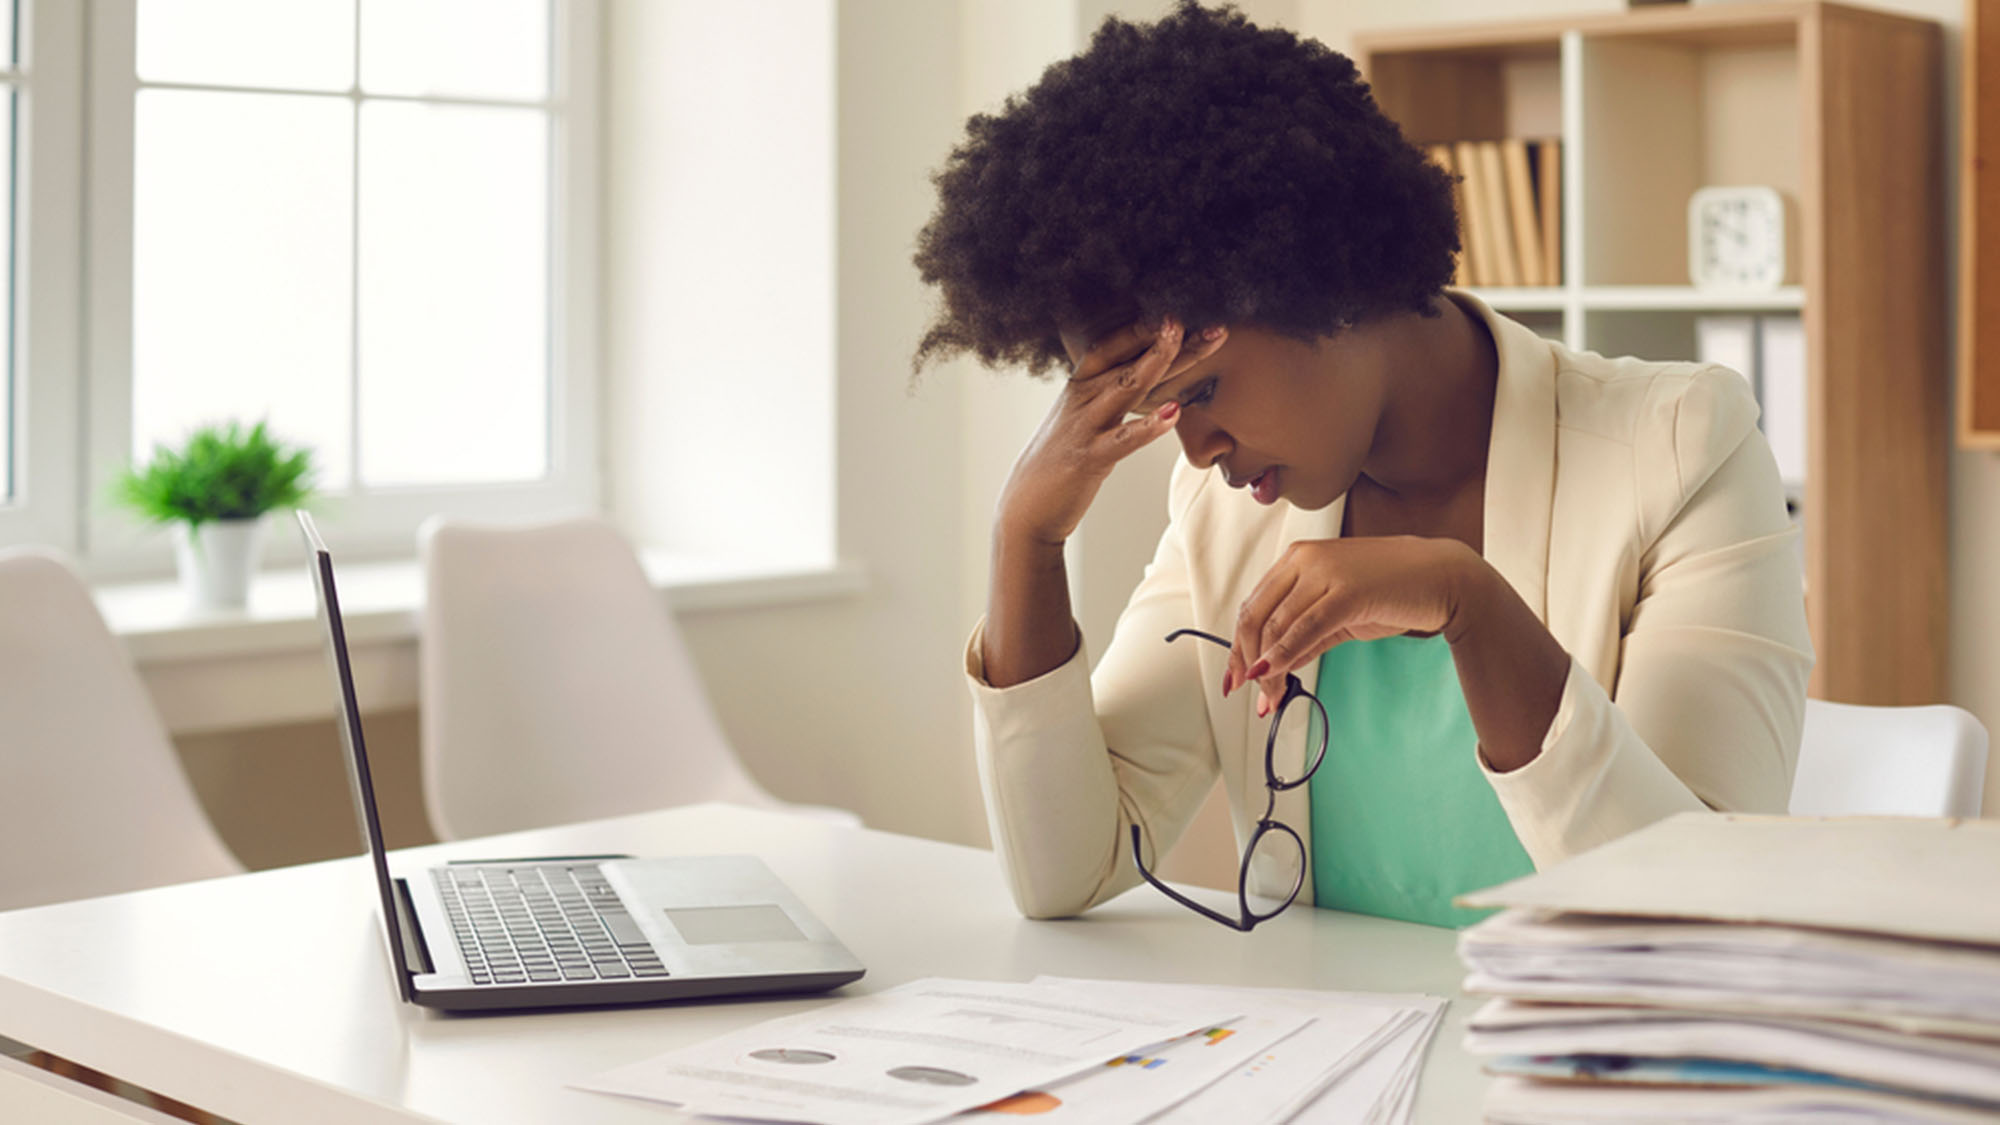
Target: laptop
<point>575,930</point>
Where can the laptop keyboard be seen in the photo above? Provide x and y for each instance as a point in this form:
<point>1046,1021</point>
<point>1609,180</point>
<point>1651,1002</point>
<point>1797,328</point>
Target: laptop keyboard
<point>542,923</point>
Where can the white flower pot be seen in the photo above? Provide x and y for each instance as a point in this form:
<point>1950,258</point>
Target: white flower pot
<point>216,561</point>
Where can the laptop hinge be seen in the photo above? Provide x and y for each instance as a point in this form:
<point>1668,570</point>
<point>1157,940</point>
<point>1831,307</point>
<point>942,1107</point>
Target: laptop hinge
<point>415,953</point>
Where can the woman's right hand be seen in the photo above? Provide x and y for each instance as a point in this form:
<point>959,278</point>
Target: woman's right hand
<point>1088,431</point>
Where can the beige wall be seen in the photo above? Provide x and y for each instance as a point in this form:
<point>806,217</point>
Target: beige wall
<point>858,701</point>
<point>278,795</point>
<point>855,702</point>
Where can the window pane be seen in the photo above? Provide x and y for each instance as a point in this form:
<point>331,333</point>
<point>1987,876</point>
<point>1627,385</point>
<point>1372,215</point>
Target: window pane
<point>241,265</point>
<point>287,44</point>
<point>454,294</point>
<point>9,17</point>
<point>460,48</point>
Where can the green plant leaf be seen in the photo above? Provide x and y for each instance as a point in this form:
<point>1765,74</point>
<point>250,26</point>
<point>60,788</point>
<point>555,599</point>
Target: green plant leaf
<point>222,472</point>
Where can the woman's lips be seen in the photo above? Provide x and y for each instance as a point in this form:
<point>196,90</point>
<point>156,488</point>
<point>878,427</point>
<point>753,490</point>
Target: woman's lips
<point>1265,487</point>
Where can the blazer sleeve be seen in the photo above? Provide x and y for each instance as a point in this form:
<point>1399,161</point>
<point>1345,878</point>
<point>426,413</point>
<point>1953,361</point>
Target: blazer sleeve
<point>1709,698</point>
<point>1069,760</point>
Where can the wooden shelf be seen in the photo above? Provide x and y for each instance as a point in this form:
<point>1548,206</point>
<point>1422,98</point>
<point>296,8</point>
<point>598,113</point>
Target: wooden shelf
<point>1979,232</point>
<point>1542,299</point>
<point>1837,108</point>
<point>1663,298</point>
<point>1670,298</point>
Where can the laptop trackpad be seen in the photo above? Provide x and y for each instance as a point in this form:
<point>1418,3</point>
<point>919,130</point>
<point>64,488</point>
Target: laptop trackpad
<point>732,925</point>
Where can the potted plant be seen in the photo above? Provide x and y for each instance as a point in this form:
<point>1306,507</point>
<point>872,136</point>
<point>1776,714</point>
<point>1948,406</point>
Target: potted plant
<point>214,491</point>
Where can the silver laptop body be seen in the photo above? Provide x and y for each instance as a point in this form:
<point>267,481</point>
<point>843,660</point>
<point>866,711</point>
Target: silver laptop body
<point>575,930</point>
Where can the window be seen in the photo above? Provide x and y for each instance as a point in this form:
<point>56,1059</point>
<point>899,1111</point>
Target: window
<point>370,222</point>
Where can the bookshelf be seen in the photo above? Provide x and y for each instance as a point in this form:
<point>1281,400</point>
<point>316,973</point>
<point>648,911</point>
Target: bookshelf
<point>1979,231</point>
<point>1837,107</point>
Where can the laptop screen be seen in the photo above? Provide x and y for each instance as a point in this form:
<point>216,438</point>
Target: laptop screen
<point>349,714</point>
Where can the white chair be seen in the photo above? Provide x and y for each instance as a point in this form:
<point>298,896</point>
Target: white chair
<point>555,686</point>
<point>93,800</point>
<point>1891,761</point>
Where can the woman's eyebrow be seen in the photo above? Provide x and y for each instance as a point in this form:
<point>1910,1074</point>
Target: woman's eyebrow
<point>1158,396</point>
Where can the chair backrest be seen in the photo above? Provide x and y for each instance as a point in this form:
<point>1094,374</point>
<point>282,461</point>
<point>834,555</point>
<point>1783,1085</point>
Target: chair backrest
<point>1899,761</point>
<point>93,799</point>
<point>555,685</point>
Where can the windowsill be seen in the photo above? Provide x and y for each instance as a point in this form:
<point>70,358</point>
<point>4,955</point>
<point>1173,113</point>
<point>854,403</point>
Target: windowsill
<point>265,664</point>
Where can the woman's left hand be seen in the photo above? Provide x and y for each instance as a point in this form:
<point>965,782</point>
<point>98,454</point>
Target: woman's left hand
<point>1322,592</point>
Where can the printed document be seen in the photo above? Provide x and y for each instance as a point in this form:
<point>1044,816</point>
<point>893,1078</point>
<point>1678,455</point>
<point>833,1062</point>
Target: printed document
<point>1356,1060</point>
<point>912,1054</point>
<point>1137,1086</point>
<point>1942,1066</point>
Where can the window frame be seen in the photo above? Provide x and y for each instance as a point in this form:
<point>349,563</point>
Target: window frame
<point>366,522</point>
<point>46,357</point>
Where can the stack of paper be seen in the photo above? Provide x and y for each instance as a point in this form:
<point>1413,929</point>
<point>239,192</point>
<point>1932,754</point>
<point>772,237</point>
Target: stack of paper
<point>1347,1057</point>
<point>1736,969</point>
<point>1102,1052</point>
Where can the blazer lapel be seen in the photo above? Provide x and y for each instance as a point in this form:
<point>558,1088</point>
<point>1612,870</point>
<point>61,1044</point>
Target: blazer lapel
<point>1520,459</point>
<point>1293,807</point>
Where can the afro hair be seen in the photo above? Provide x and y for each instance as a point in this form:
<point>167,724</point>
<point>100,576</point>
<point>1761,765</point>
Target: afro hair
<point>1198,167</point>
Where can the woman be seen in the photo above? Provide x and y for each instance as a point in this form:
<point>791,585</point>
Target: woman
<point>1544,597</point>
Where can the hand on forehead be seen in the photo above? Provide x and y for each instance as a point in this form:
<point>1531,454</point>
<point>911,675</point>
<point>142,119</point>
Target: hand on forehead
<point>1119,342</point>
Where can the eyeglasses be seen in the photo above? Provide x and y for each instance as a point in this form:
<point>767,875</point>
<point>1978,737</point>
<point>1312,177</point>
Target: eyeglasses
<point>1299,717</point>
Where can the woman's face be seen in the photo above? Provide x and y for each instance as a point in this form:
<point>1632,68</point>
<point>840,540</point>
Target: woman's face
<point>1282,417</point>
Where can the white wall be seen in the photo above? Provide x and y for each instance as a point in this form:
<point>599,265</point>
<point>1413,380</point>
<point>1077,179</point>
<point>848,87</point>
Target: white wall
<point>718,274</point>
<point>854,701</point>
<point>1004,47</point>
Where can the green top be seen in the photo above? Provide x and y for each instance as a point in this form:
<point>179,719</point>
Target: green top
<point>1402,817</point>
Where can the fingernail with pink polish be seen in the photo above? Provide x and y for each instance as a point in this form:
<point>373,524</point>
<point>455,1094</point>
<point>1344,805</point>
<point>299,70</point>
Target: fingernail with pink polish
<point>1257,672</point>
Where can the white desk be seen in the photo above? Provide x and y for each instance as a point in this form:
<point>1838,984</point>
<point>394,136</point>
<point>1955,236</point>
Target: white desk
<point>266,997</point>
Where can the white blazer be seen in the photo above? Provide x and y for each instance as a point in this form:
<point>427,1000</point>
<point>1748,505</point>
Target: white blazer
<point>1634,506</point>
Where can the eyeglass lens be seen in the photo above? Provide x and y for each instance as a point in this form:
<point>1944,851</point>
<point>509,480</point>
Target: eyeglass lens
<point>1277,856</point>
<point>1300,729</point>
<point>1278,859</point>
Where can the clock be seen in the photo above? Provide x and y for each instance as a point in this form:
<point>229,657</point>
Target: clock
<point>1736,238</point>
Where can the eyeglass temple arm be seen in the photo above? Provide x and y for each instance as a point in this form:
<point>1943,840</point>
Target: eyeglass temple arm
<point>1291,678</point>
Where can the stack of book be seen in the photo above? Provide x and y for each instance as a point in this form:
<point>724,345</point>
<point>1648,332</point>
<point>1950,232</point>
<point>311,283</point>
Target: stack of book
<point>1716,968</point>
<point>1510,210</point>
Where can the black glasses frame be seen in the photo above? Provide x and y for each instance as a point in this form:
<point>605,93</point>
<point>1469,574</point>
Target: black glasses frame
<point>1248,918</point>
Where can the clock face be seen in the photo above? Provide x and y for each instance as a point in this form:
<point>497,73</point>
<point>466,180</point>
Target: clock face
<point>1736,238</point>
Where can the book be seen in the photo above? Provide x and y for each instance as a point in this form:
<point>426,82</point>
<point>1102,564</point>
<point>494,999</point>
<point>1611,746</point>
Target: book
<point>1462,267</point>
<point>1522,212</point>
<point>1485,267</point>
<point>1492,182</point>
<point>1548,192</point>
